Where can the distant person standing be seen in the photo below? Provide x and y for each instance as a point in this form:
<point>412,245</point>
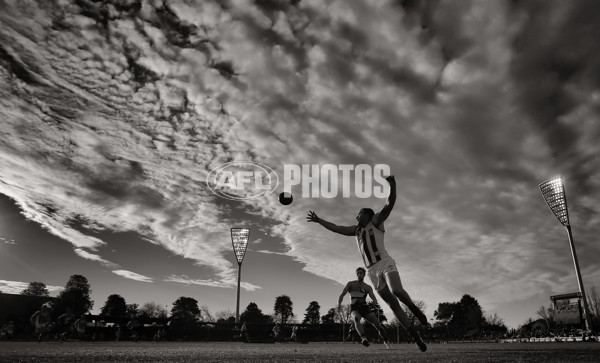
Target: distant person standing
<point>381,268</point>
<point>117,332</point>
<point>65,325</point>
<point>160,334</point>
<point>244,332</point>
<point>294,335</point>
<point>277,332</point>
<point>133,325</point>
<point>42,321</point>
<point>80,326</point>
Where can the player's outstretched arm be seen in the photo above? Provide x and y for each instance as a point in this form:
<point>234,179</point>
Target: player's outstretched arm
<point>346,231</point>
<point>389,205</point>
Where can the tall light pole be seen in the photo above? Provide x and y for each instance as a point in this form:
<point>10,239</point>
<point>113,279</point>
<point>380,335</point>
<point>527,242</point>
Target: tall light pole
<point>239,238</point>
<point>554,193</point>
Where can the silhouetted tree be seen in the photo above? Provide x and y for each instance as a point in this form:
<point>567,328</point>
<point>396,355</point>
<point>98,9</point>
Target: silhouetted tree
<point>185,309</point>
<point>36,288</point>
<point>494,319</point>
<point>132,309</point>
<point>152,310</point>
<point>312,313</point>
<point>494,325</point>
<point>461,318</point>
<point>224,315</point>
<point>79,282</point>
<point>283,309</point>
<point>253,314</point>
<point>329,318</point>
<point>472,314</point>
<point>76,296</point>
<point>114,306</point>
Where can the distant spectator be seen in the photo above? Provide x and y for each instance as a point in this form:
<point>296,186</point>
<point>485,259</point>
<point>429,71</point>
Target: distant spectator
<point>133,325</point>
<point>294,336</point>
<point>277,332</point>
<point>243,333</point>
<point>160,333</point>
<point>65,324</point>
<point>80,325</point>
<point>117,332</point>
<point>42,321</point>
<point>7,330</point>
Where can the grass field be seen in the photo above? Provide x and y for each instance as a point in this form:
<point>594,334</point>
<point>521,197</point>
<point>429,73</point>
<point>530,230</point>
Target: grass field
<point>75,351</point>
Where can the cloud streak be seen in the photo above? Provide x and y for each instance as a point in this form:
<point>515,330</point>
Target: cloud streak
<point>132,276</point>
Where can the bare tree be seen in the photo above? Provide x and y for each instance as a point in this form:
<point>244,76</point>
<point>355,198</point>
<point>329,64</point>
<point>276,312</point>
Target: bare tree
<point>594,302</point>
<point>543,313</point>
<point>494,319</point>
<point>224,314</point>
<point>343,315</point>
<point>527,323</point>
<point>36,288</point>
<point>153,310</point>
<point>206,315</point>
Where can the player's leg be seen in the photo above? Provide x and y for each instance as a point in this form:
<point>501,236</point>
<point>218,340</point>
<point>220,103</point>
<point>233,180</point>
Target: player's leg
<point>394,304</point>
<point>359,327</point>
<point>42,330</point>
<point>372,319</point>
<point>395,284</point>
<point>392,301</point>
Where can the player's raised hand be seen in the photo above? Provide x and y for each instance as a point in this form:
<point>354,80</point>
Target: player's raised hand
<point>312,217</point>
<point>390,179</point>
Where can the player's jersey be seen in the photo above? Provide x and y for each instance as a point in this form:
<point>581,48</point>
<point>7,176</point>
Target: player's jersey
<point>358,291</point>
<point>370,243</point>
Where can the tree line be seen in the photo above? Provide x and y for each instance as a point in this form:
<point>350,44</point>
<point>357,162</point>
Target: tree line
<point>463,319</point>
<point>453,319</point>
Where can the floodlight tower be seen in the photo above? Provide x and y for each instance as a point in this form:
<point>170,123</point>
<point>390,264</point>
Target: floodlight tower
<point>239,239</point>
<point>554,193</point>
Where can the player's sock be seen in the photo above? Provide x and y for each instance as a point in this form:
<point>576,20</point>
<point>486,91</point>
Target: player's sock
<point>421,346</point>
<point>387,344</point>
<point>365,342</point>
<point>418,340</point>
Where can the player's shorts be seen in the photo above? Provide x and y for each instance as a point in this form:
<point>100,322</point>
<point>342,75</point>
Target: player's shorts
<point>361,307</point>
<point>377,272</point>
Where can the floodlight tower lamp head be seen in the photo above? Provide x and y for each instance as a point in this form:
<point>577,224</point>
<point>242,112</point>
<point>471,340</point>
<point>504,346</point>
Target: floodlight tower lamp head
<point>239,239</point>
<point>553,192</point>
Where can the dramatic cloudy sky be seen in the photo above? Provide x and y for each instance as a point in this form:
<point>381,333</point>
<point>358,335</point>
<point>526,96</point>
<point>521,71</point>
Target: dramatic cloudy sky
<point>113,113</point>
